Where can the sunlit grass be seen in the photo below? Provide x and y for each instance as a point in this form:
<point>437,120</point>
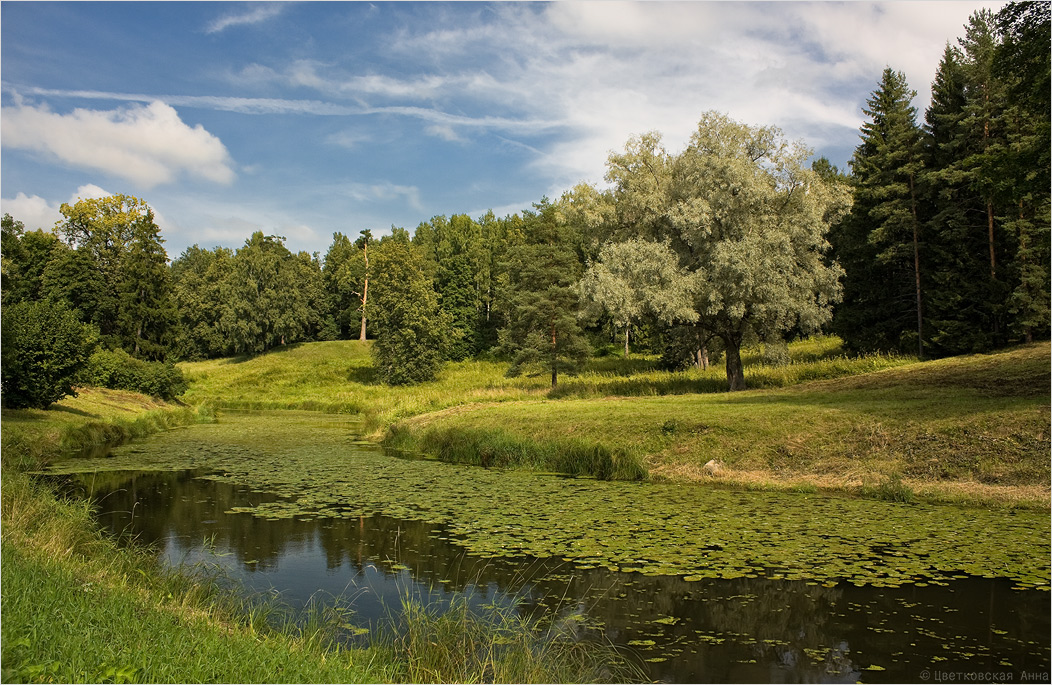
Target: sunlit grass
<point>978,423</point>
<point>338,377</point>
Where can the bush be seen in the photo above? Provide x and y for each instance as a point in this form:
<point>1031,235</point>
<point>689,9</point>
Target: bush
<point>45,346</point>
<point>118,370</point>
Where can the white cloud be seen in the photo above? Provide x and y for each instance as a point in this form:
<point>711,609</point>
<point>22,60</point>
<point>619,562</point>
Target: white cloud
<point>148,145</point>
<point>601,72</point>
<point>89,191</point>
<point>255,15</point>
<point>32,210</point>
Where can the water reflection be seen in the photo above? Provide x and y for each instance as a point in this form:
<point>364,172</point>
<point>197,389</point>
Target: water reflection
<point>712,630</point>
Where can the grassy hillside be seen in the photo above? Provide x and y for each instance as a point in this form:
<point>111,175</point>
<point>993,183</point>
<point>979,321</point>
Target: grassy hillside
<point>338,377</point>
<point>970,428</point>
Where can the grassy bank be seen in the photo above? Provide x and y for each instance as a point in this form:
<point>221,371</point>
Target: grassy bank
<point>969,429</point>
<point>338,377</point>
<point>97,416</point>
<point>75,604</point>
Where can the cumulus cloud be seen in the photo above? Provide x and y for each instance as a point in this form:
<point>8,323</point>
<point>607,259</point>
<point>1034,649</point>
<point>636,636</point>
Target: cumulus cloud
<point>146,144</point>
<point>254,15</point>
<point>37,212</point>
<point>32,210</point>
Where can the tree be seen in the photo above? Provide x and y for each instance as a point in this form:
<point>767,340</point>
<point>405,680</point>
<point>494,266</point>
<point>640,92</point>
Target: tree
<point>746,218</point>
<point>639,278</point>
<point>1022,62</point>
<point>148,314</point>
<point>197,284</point>
<point>265,298</point>
<point>44,348</point>
<point>26,255</point>
<point>542,329</point>
<point>411,329</point>
<point>880,241</point>
<point>133,308</point>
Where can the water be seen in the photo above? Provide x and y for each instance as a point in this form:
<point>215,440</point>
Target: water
<point>707,629</point>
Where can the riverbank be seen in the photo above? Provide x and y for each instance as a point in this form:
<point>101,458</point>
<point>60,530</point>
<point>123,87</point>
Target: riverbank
<point>75,602</point>
<point>968,430</point>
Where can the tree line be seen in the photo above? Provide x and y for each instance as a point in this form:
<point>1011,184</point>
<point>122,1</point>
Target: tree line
<point>936,241</point>
<point>946,249</point>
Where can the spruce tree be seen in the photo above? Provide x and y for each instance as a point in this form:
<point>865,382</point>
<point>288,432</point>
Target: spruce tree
<point>1022,63</point>
<point>147,308</point>
<point>543,330</point>
<point>879,243</point>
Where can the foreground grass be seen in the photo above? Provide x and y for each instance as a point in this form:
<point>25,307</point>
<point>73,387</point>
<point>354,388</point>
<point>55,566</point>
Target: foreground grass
<point>969,429</point>
<point>79,608</point>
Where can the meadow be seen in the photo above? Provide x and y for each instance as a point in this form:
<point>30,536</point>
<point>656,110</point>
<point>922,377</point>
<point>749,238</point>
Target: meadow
<point>970,429</point>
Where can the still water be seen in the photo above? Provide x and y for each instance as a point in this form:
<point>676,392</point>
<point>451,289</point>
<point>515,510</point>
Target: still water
<point>773,624</point>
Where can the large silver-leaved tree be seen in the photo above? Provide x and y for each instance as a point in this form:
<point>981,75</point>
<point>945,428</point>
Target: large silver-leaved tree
<point>746,215</point>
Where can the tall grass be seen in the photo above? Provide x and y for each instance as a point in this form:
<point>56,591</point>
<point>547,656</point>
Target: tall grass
<point>496,448</point>
<point>496,644</point>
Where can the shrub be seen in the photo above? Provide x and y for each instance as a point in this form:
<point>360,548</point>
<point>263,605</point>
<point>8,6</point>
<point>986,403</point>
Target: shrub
<point>118,370</point>
<point>45,346</point>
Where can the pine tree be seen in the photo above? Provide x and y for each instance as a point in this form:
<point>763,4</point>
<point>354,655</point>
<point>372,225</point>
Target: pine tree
<point>879,243</point>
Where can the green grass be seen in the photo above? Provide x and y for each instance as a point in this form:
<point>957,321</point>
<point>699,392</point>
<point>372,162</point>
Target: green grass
<point>979,423</point>
<point>969,429</point>
<point>96,416</point>
<point>338,377</point>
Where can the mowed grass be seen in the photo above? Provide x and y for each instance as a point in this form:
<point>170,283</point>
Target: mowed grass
<point>338,376</point>
<point>973,429</point>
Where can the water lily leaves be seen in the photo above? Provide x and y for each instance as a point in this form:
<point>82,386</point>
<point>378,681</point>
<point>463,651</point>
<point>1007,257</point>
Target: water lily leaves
<point>653,529</point>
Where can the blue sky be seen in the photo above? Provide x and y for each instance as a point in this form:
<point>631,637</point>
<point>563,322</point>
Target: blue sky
<point>304,118</point>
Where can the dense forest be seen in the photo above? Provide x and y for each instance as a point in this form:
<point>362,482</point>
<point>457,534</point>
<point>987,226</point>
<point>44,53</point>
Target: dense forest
<point>934,242</point>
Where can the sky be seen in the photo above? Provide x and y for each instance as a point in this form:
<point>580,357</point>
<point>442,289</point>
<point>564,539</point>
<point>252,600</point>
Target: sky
<point>301,119</point>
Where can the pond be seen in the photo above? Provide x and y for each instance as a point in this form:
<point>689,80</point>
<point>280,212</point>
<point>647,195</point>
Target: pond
<point>704,585</point>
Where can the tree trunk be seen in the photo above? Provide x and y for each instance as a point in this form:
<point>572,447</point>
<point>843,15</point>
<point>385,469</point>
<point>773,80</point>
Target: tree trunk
<point>626,341</point>
<point>365,292</point>
<point>990,238</point>
<point>916,270</point>
<point>735,372</point>
<point>555,359</point>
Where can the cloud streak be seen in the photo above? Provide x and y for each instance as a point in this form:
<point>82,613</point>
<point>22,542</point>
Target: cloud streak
<point>255,15</point>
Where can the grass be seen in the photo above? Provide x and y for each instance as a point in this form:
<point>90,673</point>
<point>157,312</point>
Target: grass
<point>96,416</point>
<point>75,604</point>
<point>338,377</point>
<point>969,429</point>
